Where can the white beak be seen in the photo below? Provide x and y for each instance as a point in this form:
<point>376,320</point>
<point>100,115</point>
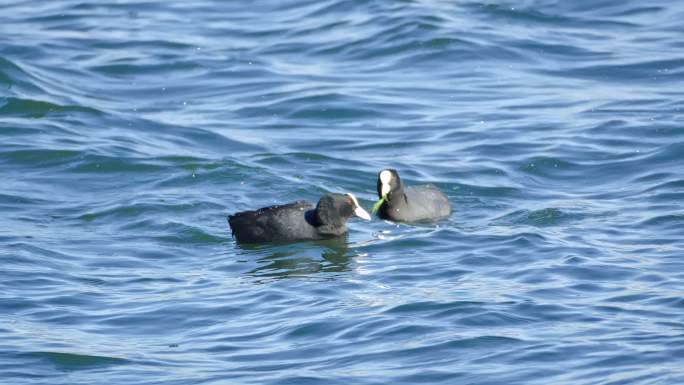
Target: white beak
<point>384,189</point>
<point>358,210</point>
<point>361,213</point>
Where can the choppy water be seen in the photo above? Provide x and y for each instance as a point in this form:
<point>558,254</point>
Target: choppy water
<point>131,129</point>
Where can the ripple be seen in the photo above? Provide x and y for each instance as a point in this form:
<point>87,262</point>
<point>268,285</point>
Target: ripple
<point>13,77</point>
<point>539,218</point>
<point>643,71</point>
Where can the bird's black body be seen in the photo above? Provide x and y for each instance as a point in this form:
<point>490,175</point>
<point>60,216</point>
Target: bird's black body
<point>295,221</point>
<point>411,203</point>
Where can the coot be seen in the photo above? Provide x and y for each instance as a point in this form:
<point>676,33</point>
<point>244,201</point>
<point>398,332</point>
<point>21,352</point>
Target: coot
<point>297,221</point>
<point>402,203</point>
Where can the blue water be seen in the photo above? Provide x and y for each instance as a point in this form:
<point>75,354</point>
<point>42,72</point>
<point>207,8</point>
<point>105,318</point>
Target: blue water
<point>131,129</point>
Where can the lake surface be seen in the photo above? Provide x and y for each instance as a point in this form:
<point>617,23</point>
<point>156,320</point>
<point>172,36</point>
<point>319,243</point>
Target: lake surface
<point>131,129</point>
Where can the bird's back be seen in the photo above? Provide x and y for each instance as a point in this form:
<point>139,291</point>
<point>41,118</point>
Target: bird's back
<point>273,223</point>
<point>425,202</point>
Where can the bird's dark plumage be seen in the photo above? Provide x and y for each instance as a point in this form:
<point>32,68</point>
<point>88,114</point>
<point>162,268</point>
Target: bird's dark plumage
<point>297,221</point>
<point>410,203</point>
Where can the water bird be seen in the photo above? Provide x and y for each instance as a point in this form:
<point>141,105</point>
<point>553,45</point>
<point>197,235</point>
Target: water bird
<point>297,221</point>
<point>401,203</point>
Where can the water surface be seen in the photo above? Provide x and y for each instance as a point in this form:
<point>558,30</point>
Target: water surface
<point>131,129</point>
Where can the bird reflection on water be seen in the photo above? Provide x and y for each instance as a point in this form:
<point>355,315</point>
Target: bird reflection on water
<point>332,255</point>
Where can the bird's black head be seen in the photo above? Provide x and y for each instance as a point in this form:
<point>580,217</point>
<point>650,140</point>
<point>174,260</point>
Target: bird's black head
<point>333,210</point>
<point>388,183</point>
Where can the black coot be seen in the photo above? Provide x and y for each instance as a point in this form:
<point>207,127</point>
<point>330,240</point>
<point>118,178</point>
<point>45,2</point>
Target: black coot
<point>297,221</point>
<point>409,203</point>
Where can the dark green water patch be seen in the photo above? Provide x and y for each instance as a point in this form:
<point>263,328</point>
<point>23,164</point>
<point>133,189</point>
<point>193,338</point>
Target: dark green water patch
<point>74,361</point>
<point>36,109</point>
<point>39,157</point>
